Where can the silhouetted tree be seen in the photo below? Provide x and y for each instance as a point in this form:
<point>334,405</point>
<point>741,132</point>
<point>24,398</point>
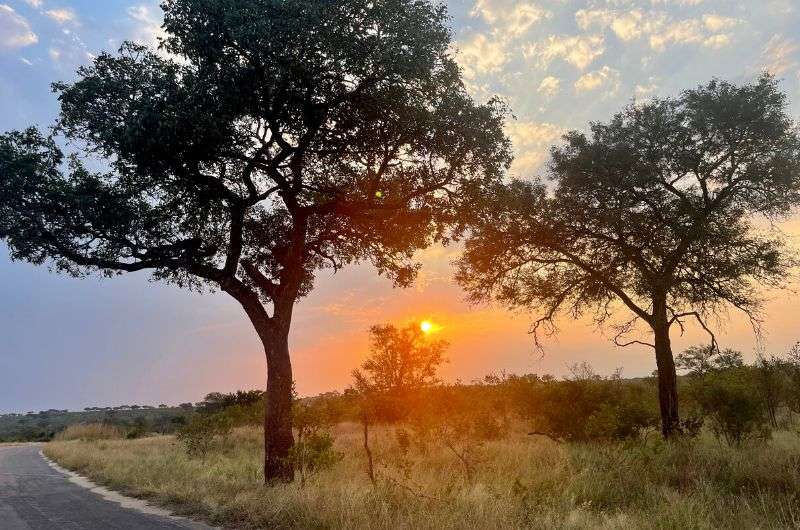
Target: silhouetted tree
<point>400,359</point>
<point>268,140</point>
<point>654,211</point>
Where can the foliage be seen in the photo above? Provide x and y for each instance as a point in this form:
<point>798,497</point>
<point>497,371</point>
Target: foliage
<point>654,212</point>
<point>400,359</point>
<point>734,397</point>
<point>588,406</point>
<point>44,425</point>
<point>313,453</point>
<point>267,141</point>
<point>703,359</point>
<point>90,432</point>
<point>730,399</point>
<point>200,434</point>
<point>216,401</point>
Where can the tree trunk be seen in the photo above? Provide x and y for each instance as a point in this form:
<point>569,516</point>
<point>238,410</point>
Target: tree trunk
<point>667,377</point>
<point>278,437</point>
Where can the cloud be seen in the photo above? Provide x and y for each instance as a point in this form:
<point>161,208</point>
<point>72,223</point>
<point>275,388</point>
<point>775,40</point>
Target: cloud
<point>627,25</point>
<point>62,16</point>
<point>646,91</point>
<point>659,27</point>
<point>549,86</point>
<point>779,55</point>
<point>580,51</point>
<point>34,3</point>
<point>508,17</point>
<point>607,78</point>
<point>148,30</point>
<point>717,23</point>
<point>481,55</point>
<point>15,32</point>
<point>531,141</point>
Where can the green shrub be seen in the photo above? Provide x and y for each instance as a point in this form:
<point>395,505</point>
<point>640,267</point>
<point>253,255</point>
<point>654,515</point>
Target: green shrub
<point>313,453</point>
<point>199,435</point>
<point>731,401</point>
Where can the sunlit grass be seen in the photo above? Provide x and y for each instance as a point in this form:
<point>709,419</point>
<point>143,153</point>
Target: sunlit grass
<point>520,481</point>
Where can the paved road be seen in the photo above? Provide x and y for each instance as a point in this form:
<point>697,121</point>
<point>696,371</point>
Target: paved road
<point>34,496</point>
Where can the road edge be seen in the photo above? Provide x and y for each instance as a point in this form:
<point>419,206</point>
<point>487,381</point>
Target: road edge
<point>130,503</point>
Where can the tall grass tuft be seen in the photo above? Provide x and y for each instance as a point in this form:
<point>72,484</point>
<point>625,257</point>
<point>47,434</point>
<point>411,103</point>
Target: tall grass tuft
<point>90,432</point>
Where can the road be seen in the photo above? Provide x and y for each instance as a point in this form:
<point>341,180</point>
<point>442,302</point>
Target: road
<point>34,496</point>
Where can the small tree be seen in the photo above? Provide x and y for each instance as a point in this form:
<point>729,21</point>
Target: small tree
<point>401,361</point>
<point>272,139</point>
<point>653,211</point>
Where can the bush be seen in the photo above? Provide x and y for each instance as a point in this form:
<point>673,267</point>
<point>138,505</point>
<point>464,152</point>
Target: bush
<point>731,401</point>
<point>590,407</point>
<point>89,432</point>
<point>312,453</point>
<point>200,434</point>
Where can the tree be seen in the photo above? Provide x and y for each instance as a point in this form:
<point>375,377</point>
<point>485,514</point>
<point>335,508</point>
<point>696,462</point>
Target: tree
<point>654,211</point>
<point>400,360</point>
<point>266,141</point>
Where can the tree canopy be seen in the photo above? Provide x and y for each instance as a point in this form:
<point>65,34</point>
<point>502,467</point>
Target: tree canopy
<point>666,209</point>
<point>266,140</point>
<point>666,197</point>
<point>401,359</point>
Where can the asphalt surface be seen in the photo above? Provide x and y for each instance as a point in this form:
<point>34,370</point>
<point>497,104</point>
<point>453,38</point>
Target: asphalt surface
<point>35,496</point>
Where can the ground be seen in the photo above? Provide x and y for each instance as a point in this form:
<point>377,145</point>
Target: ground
<point>519,481</point>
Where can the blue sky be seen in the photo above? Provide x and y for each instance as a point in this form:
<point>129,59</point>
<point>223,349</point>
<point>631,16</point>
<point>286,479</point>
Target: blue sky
<point>558,63</point>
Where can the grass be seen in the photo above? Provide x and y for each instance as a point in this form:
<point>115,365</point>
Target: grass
<point>519,482</point>
<point>89,432</point>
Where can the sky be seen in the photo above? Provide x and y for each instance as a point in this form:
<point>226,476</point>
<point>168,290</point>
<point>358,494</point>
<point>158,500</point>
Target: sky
<point>559,64</point>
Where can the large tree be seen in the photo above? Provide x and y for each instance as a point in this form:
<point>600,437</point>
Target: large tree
<point>666,210</point>
<point>264,141</point>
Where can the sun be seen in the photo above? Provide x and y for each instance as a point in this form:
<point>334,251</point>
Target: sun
<point>426,326</point>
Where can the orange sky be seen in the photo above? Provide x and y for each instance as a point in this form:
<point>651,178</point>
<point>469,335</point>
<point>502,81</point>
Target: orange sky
<point>329,336</point>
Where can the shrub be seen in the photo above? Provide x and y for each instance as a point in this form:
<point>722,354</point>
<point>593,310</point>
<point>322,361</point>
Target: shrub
<point>731,401</point>
<point>199,435</point>
<point>590,407</point>
<point>313,453</point>
<point>89,432</point>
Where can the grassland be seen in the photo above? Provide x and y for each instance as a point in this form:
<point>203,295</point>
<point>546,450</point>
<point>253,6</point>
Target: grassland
<point>519,482</point>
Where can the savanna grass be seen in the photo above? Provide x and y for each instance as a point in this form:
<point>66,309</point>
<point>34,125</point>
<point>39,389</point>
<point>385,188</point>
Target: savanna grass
<point>519,482</point>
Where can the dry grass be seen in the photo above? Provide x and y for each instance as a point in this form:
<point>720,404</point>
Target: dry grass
<point>520,482</point>
<point>89,432</point>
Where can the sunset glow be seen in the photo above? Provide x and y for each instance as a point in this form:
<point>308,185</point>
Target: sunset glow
<point>427,327</point>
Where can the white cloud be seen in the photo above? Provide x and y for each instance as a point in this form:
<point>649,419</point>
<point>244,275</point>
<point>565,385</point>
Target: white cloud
<point>15,32</point>
<point>531,142</point>
<point>62,16</point>
<point>658,26</point>
<point>23,60</point>
<point>646,91</point>
<point>780,55</point>
<point>606,78</point>
<point>148,30</point>
<point>717,41</point>
<point>481,55</point>
<point>717,23</point>
<point>627,25</point>
<point>549,86</point>
<point>55,54</point>
<point>580,51</point>
<point>34,3</point>
<point>509,17</point>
